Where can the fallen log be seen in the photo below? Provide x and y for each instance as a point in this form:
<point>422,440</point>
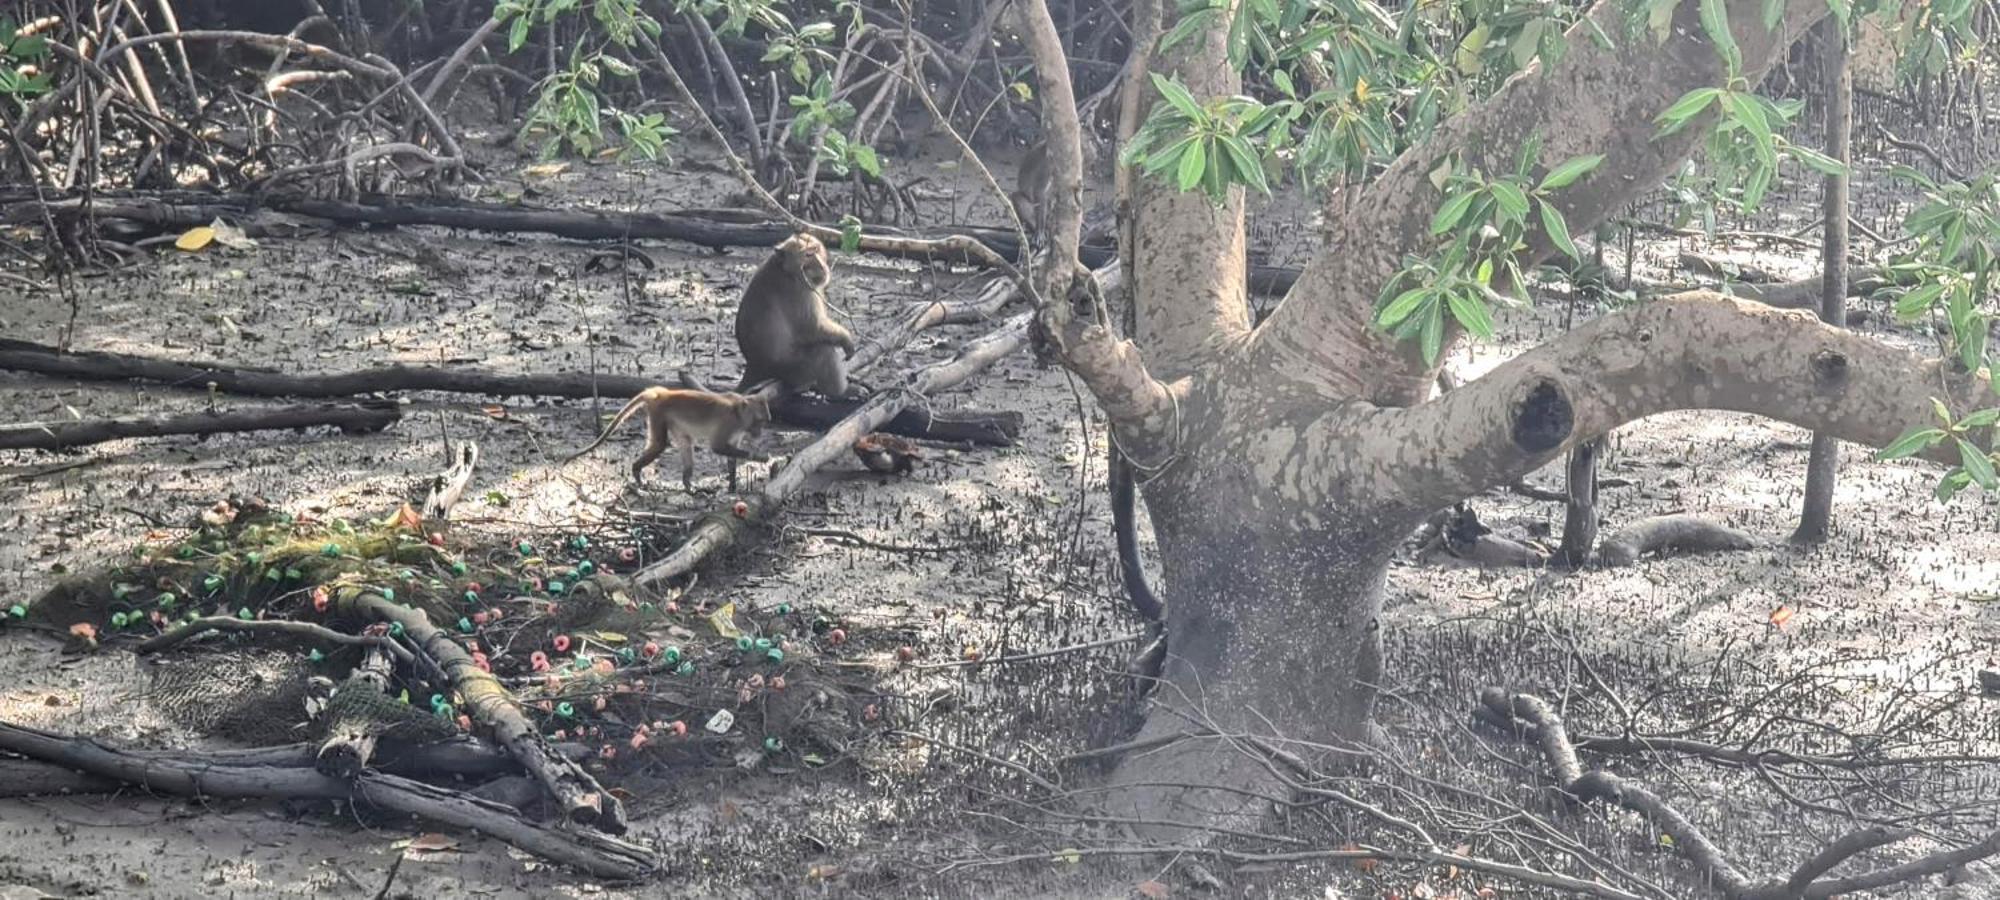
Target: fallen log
<point>576,792</point>
<point>189,775</point>
<point>715,229</point>
<point>720,530</point>
<point>351,418</point>
<point>999,429</point>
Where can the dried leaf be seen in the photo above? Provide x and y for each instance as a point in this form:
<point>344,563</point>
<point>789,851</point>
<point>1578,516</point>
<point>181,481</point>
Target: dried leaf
<point>723,620</point>
<point>823,872</point>
<point>1781,615</point>
<point>432,842</point>
<point>1153,889</point>
<point>84,630</point>
<point>545,170</point>
<point>494,411</point>
<point>195,238</point>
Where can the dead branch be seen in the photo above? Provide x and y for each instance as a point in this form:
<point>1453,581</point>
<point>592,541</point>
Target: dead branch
<point>1531,719</point>
<point>993,429</point>
<point>186,774</point>
<point>721,529</point>
<point>576,792</point>
<point>301,631</point>
<point>351,418</point>
<point>448,486</point>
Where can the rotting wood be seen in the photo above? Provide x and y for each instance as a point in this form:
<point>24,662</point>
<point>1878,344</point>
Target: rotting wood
<point>189,775</point>
<point>996,429</point>
<point>719,530</point>
<point>351,418</point>
<point>577,793</point>
<point>448,486</point>
<point>715,229</point>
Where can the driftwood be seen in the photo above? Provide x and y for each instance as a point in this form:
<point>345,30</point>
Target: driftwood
<point>991,429</point>
<point>305,632</point>
<point>190,775</point>
<point>351,418</point>
<point>720,530</point>
<point>714,229</point>
<point>576,792</point>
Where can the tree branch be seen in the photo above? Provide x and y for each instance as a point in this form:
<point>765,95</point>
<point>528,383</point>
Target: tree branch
<point>1598,100</point>
<point>1688,351</point>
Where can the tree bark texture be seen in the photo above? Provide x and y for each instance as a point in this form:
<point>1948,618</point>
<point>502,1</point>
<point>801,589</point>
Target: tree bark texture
<point>1823,463</point>
<point>1296,456</point>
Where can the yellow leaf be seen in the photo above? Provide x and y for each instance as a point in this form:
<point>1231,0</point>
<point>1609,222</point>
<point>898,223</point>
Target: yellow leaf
<point>195,238</point>
<point>611,637</point>
<point>724,621</point>
<point>1069,856</point>
<point>545,170</point>
<point>432,843</point>
<point>1361,90</point>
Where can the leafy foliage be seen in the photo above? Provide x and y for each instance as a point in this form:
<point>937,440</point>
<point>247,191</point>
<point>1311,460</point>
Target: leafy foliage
<point>21,79</point>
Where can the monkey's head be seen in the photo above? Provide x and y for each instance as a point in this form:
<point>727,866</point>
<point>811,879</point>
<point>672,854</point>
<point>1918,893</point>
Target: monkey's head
<point>806,256</point>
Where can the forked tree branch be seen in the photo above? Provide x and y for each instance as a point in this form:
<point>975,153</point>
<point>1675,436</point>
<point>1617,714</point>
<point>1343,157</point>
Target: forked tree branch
<point>1062,134</point>
<point>1600,99</point>
<point>1689,351</point>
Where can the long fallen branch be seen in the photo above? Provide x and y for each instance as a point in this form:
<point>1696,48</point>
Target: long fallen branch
<point>302,631</point>
<point>989,429</point>
<point>713,229</point>
<point>576,792</point>
<point>191,776</point>
<point>1533,720</point>
<point>720,530</point>
<point>350,418</point>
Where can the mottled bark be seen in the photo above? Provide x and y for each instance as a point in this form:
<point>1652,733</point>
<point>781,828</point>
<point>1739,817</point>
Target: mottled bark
<point>1598,100</point>
<point>1823,464</point>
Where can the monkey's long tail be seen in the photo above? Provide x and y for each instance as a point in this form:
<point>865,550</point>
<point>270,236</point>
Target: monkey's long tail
<point>631,407</point>
<point>1143,599</point>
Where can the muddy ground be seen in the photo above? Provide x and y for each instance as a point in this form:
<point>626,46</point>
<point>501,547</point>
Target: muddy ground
<point>1891,616</point>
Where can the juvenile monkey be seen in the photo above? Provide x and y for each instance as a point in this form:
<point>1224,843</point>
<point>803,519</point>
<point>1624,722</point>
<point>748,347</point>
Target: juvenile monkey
<point>1031,189</point>
<point>782,326</point>
<point>687,417</point>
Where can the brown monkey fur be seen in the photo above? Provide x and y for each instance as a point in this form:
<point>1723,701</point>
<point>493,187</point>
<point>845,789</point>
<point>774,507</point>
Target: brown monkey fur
<point>687,417</point>
<point>782,326</point>
<point>1032,182</point>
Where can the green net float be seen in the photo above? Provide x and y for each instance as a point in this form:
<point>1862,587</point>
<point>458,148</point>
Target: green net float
<point>245,614</point>
<point>118,620</point>
<point>389,594</point>
<point>465,624</point>
<point>395,629</point>
<point>673,655</point>
<point>579,543</point>
<point>166,601</point>
<point>627,655</point>
<point>685,668</point>
<point>581,663</point>
<point>17,611</point>
<point>186,551</point>
<point>775,655</point>
<point>585,568</point>
<point>330,550</point>
<point>647,606</point>
<point>459,568</point>
<point>118,591</point>
<point>526,548</point>
<point>272,574</point>
<point>556,587</point>
<point>763,643</point>
<point>745,643</point>
<point>565,710</point>
<point>471,597</point>
<point>316,656</point>
<point>445,711</point>
<point>212,583</point>
<point>293,574</point>
<point>784,609</point>
<point>407,575</point>
<point>773,744</point>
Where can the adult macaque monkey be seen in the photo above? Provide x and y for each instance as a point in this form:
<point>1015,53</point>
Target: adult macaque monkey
<point>782,326</point>
<point>687,417</point>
